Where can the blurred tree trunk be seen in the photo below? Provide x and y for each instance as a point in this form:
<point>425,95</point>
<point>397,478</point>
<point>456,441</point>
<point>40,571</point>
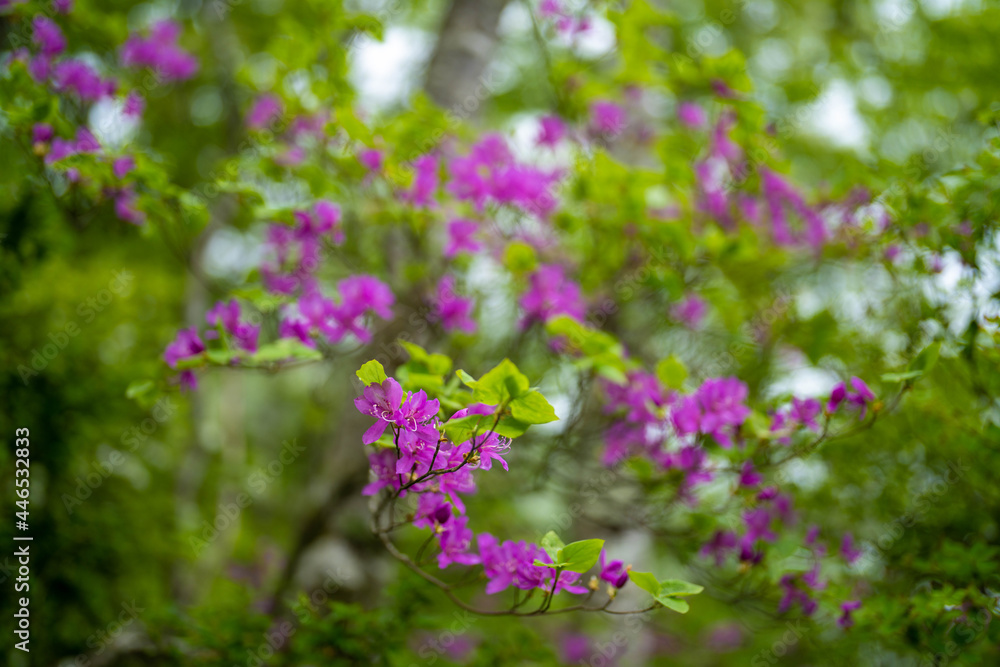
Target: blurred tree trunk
<point>464,48</point>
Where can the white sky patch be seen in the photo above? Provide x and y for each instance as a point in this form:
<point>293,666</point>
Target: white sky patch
<point>835,116</point>
<point>597,41</point>
<point>111,127</point>
<point>388,72</point>
<point>231,254</point>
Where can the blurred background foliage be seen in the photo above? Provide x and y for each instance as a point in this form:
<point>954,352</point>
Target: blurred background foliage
<point>896,97</point>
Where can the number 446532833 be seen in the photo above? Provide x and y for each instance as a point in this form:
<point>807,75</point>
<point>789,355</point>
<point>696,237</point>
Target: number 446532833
<point>21,466</point>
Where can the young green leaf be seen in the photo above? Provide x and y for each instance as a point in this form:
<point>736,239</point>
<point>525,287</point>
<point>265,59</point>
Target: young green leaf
<point>552,545</point>
<point>371,373</point>
<point>533,409</point>
<point>466,379</point>
<point>679,606</point>
<point>678,588</point>
<point>646,581</point>
<point>580,556</point>
<point>671,372</point>
<point>500,384</point>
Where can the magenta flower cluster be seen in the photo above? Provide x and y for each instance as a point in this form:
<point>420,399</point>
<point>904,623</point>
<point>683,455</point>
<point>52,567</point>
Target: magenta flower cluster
<point>413,456</point>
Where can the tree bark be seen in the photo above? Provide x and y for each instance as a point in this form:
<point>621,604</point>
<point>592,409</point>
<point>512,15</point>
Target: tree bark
<point>466,43</point>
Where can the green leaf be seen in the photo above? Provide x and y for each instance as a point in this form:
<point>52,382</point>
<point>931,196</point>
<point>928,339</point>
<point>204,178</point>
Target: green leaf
<point>372,373</point>
<point>679,606</point>
<point>925,361</point>
<point>501,383</point>
<point>511,428</point>
<point>221,357</point>
<point>461,429</point>
<point>646,581</point>
<point>284,349</point>
<point>532,408</point>
<point>552,544</point>
<point>580,556</point>
<point>679,588</point>
<point>671,372</point>
<point>900,377</point>
<point>539,563</point>
<point>138,388</point>
<point>519,258</point>
<point>436,364</point>
<point>466,379</point>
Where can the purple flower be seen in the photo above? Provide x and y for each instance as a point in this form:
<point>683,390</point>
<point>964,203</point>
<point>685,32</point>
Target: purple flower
<point>455,540</point>
<point>41,133</point>
<point>493,446</point>
<point>227,315</point>
<point>454,311</point>
<point>716,409</point>
<point>692,115</point>
<point>758,525</point>
<point>722,542</point>
<point>425,181</point>
<point>383,465</point>
<point>125,207</point>
<point>802,412</point>
<point>134,105</point>
<point>859,398</point>
<point>60,149</point>
<point>749,476</point>
<point>640,396</point>
<point>690,311</point>
<point>415,411</point>
<point>551,293</point>
<point>48,36</point>
<point>122,166</point>
<point>40,68</point>
<point>265,108</point>
<point>805,411</point>
<point>381,401</point>
<point>461,238</point>
<point>490,174</point>
<point>510,563</point>
<point>778,194</point>
<point>160,52</point>
<point>607,118</point>
<point>78,77</point>
<point>327,216</point>
<point>846,620</point>
<point>574,648</point>
<point>370,158</point>
<point>551,131</point>
<point>847,550</point>
<point>62,6</point>
<point>360,295</point>
<point>187,344</point>
<point>812,580</point>
<point>433,510</point>
<point>614,572</point>
<point>795,595</point>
